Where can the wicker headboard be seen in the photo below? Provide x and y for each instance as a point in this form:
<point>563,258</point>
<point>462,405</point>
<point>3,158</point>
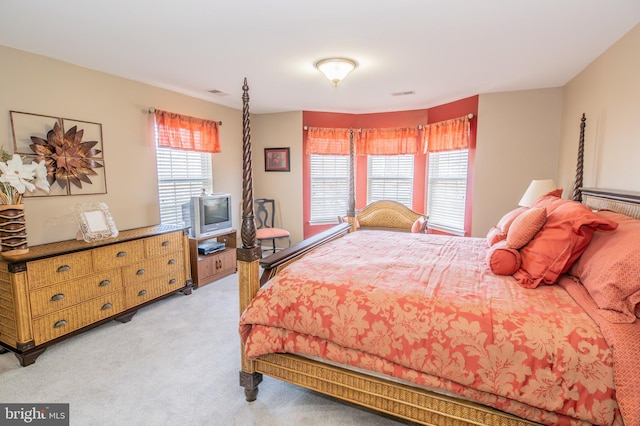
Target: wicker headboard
<point>624,202</point>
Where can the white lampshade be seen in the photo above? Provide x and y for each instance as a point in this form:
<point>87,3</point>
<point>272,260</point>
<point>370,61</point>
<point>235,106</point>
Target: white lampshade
<point>536,189</point>
<point>336,69</point>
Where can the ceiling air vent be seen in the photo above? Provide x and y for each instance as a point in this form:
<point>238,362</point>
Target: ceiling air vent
<point>407,92</point>
<point>219,92</point>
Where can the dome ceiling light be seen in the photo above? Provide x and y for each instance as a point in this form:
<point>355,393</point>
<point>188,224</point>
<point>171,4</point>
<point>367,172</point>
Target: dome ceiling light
<point>336,69</point>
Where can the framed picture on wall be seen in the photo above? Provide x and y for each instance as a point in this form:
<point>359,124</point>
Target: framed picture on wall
<point>276,159</point>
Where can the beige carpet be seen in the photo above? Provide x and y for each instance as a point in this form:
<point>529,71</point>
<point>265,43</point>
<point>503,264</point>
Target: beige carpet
<point>175,363</point>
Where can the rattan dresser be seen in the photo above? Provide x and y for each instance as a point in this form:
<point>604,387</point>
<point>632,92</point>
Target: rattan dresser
<point>60,289</point>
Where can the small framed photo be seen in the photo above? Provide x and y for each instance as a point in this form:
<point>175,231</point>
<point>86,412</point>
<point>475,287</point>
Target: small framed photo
<point>276,159</point>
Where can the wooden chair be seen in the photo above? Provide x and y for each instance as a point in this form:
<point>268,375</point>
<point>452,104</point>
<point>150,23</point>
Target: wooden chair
<point>265,223</point>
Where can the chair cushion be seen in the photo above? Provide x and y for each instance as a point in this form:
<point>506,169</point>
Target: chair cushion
<point>269,233</point>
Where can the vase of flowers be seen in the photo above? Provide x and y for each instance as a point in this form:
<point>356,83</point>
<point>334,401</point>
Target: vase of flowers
<point>16,178</point>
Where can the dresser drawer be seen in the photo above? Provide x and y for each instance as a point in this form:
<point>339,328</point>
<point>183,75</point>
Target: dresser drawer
<point>59,296</point>
<point>143,271</point>
<point>45,272</point>
<point>67,320</point>
<point>163,244</point>
<point>142,292</point>
<point>117,255</point>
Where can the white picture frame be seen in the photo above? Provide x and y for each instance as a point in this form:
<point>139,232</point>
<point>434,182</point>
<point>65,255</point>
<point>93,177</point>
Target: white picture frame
<point>95,221</point>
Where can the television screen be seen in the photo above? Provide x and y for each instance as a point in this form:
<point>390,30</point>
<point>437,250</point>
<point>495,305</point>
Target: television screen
<point>216,210</point>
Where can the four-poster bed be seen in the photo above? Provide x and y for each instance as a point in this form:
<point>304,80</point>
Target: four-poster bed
<point>401,375</point>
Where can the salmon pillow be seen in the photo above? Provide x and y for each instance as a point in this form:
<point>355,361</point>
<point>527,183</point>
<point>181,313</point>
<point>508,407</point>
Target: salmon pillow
<point>563,238</point>
<point>610,269</point>
<point>525,227</point>
<point>503,260</point>
<point>419,226</point>
<point>548,198</point>
<point>499,232</point>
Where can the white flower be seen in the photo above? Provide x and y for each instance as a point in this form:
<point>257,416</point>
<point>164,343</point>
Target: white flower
<point>41,176</point>
<point>16,178</point>
<point>17,174</point>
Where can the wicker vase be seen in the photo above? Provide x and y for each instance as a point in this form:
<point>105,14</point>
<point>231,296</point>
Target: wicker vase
<point>13,230</point>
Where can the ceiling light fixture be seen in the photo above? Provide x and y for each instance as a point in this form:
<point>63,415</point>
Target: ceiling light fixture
<point>336,69</point>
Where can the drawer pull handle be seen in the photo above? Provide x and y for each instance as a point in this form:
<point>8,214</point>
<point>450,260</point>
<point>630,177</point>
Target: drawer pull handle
<point>165,243</point>
<point>104,283</point>
<point>58,296</point>
<point>142,292</point>
<point>106,306</point>
<point>171,262</point>
<point>63,268</point>
<point>121,254</point>
<point>172,281</point>
<point>60,323</point>
<point>140,272</point>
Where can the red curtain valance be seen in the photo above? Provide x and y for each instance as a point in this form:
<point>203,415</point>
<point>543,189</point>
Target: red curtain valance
<point>322,140</point>
<point>390,141</point>
<point>446,135</point>
<point>187,133</point>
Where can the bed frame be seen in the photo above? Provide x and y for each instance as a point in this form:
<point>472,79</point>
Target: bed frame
<point>411,403</point>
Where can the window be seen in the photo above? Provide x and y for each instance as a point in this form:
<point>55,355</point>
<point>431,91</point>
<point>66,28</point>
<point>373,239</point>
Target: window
<point>447,190</point>
<point>329,188</point>
<point>390,177</point>
<point>181,174</point>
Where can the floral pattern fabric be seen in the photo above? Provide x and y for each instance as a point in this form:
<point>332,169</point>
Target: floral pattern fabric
<point>426,309</point>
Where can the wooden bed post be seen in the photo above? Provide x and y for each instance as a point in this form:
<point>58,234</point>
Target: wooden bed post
<point>249,253</point>
<point>351,212</point>
<point>577,185</point>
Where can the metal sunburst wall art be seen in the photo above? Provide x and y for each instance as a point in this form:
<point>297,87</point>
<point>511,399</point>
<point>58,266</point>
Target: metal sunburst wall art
<point>68,160</point>
<point>74,166</point>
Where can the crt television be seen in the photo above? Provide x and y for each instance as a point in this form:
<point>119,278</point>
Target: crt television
<point>208,215</point>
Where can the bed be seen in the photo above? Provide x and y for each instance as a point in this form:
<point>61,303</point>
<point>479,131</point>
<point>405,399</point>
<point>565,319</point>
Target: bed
<point>420,327</point>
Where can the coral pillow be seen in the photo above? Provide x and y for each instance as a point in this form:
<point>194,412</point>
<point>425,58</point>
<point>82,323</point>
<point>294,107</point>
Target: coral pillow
<point>499,232</point>
<point>563,238</point>
<point>503,260</point>
<point>525,227</point>
<point>610,270</point>
<point>420,225</point>
<point>548,198</point>
<point>505,223</point>
<point>495,235</point>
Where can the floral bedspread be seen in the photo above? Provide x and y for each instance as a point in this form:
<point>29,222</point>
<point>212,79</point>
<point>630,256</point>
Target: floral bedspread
<point>426,309</point>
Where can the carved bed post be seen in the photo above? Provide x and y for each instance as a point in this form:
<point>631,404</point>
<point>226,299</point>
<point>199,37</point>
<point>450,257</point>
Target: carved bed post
<point>248,254</point>
<point>351,212</point>
<point>577,194</point>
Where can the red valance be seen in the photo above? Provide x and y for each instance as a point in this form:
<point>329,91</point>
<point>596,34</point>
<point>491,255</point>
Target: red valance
<point>187,133</point>
<point>446,135</point>
<point>389,141</point>
<point>327,141</point>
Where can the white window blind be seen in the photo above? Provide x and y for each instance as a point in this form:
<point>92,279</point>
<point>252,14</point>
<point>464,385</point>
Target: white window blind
<point>447,190</point>
<point>390,177</point>
<point>181,174</point>
<point>329,188</point>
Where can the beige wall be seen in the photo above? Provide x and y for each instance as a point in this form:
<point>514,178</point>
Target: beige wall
<point>608,92</point>
<point>280,131</point>
<point>39,85</point>
<point>517,141</point>
<point>521,136</point>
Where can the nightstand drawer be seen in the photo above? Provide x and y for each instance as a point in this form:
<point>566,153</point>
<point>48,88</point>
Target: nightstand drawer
<point>65,321</point>
<point>59,296</point>
<point>45,272</point>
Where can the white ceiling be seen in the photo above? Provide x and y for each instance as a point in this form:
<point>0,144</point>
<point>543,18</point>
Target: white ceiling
<point>443,50</point>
